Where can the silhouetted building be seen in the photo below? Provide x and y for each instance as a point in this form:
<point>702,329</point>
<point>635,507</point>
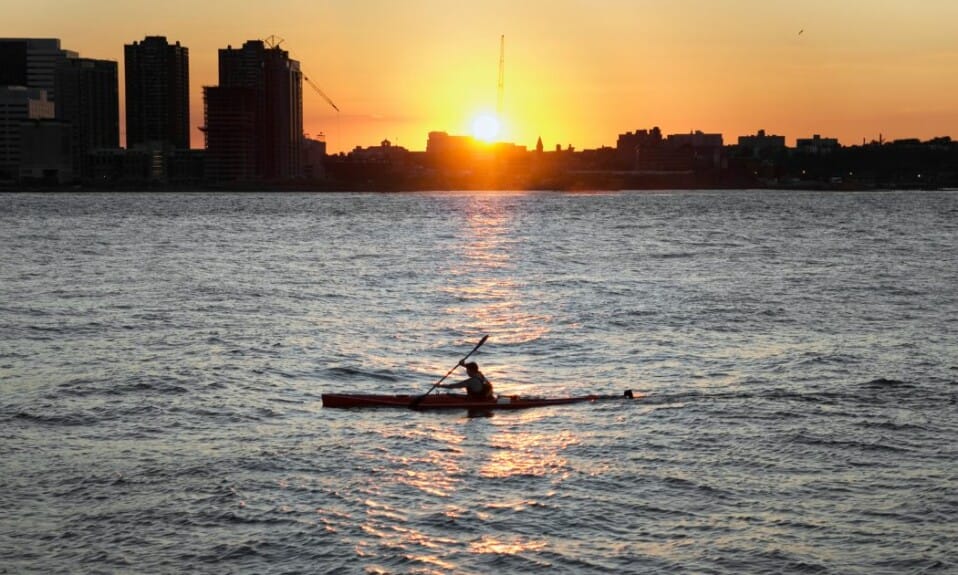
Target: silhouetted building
<point>441,143</point>
<point>760,145</point>
<point>46,154</point>
<point>641,150</point>
<point>314,156</point>
<point>89,102</point>
<point>18,105</point>
<point>695,150</point>
<point>450,152</point>
<point>816,145</point>
<point>122,167</point>
<point>157,94</point>
<point>696,139</point>
<point>186,167</point>
<point>13,62</point>
<point>31,62</point>
<point>256,111</point>
<point>384,153</point>
<point>230,132</point>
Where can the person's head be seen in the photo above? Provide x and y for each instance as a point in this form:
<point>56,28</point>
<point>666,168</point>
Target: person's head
<point>472,368</point>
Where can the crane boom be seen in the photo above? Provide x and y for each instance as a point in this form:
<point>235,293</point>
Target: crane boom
<point>274,42</point>
<point>320,92</point>
<point>502,73</point>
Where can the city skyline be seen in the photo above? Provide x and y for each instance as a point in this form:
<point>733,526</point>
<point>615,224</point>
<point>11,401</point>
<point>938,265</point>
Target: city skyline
<point>850,71</point>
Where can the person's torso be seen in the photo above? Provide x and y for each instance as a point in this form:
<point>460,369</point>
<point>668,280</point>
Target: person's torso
<point>476,384</point>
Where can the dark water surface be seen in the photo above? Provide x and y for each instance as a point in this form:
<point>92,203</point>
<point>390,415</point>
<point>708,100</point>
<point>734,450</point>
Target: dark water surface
<point>162,358</point>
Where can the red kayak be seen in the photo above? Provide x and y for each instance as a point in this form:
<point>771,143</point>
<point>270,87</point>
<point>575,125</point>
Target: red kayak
<point>456,401</point>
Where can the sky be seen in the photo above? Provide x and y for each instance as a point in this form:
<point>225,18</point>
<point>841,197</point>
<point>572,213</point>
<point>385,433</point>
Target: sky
<point>576,72</point>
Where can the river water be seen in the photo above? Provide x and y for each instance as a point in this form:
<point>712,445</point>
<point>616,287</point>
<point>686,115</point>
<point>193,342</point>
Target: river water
<point>163,356</point>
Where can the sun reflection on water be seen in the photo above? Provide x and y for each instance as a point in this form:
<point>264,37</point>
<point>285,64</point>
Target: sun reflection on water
<point>390,534</point>
<point>434,472</point>
<point>529,454</point>
<point>489,544</point>
<point>490,301</point>
<point>507,464</point>
<point>444,467</point>
<point>441,474</point>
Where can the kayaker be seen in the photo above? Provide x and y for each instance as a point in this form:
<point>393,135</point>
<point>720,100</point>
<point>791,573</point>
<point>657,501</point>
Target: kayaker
<point>477,386</point>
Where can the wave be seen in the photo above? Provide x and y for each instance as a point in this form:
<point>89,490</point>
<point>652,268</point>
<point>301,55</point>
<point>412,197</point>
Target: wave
<point>671,255</point>
<point>351,373</point>
<point>883,383</point>
<point>81,387</point>
<point>877,391</point>
<point>56,420</point>
<point>893,426</point>
<point>847,444</point>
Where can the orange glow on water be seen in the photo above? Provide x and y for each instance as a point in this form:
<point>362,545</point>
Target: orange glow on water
<point>459,454</point>
<point>488,544</point>
<point>429,472</point>
<point>523,453</point>
<point>489,301</point>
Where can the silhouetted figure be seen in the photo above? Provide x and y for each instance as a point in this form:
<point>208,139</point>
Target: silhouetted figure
<point>477,386</point>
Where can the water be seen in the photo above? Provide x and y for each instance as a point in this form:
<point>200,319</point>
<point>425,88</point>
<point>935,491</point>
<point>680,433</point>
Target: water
<point>163,356</point>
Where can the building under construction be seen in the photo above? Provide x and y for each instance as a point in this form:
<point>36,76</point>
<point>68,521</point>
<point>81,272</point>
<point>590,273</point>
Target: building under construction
<point>254,118</point>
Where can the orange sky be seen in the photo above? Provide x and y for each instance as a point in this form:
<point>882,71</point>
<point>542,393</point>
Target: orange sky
<point>577,72</point>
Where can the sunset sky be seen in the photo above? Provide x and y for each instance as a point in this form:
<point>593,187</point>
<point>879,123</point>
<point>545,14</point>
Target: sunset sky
<point>577,72</point>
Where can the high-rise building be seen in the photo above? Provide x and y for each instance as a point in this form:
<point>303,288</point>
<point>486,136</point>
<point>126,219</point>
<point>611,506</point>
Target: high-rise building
<point>18,105</point>
<point>13,63</point>
<point>230,132</point>
<point>157,94</point>
<point>31,62</point>
<point>258,107</point>
<point>28,94</point>
<point>89,101</point>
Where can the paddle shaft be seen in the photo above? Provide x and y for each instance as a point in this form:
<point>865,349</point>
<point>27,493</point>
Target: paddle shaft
<point>416,401</point>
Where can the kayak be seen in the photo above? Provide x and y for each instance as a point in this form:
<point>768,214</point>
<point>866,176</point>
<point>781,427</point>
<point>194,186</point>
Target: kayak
<point>457,401</point>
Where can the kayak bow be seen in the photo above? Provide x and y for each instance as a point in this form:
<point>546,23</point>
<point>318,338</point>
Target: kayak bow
<point>457,401</point>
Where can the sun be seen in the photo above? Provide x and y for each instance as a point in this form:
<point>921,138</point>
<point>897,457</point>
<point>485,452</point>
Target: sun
<point>485,127</point>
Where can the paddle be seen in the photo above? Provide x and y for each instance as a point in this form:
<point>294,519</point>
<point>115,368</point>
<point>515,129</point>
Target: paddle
<point>415,403</point>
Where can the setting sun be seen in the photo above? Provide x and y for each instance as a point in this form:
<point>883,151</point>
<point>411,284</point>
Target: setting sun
<point>856,73</point>
<point>485,127</point>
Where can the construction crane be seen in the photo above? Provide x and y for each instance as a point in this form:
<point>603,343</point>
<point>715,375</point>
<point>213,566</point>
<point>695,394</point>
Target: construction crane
<point>320,92</point>
<point>502,74</point>
<point>273,42</point>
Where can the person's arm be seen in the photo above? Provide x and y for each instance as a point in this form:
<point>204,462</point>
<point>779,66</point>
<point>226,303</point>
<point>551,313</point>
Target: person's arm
<point>463,383</point>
